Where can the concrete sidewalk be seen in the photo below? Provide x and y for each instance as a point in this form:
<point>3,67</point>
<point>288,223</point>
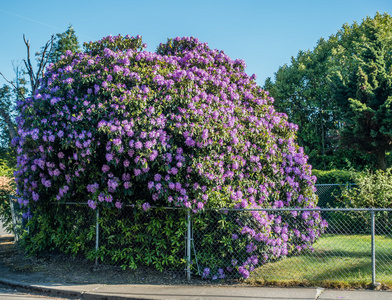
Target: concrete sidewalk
<point>117,292</point>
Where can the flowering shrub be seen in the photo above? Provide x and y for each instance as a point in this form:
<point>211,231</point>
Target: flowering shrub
<point>184,126</point>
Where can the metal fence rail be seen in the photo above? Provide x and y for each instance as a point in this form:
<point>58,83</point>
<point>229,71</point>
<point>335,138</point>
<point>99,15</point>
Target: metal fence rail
<point>355,247</point>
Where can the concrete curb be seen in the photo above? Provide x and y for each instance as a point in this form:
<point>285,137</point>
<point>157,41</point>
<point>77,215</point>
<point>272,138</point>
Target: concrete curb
<point>41,289</point>
<point>55,292</point>
<point>157,292</point>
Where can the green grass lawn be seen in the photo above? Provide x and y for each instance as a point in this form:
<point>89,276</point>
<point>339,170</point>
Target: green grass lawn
<point>340,261</point>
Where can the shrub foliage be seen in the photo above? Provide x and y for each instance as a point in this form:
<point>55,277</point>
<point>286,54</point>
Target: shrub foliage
<point>184,126</point>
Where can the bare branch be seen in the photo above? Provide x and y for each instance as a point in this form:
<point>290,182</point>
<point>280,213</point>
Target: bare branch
<point>10,82</point>
<point>17,87</point>
<point>28,65</point>
<point>45,58</point>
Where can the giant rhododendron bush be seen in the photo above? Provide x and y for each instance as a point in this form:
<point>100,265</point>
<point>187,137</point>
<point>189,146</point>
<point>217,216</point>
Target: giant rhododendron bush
<point>185,126</point>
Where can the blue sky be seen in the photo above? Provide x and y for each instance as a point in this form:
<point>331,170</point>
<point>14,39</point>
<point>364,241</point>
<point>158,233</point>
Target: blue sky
<point>263,33</point>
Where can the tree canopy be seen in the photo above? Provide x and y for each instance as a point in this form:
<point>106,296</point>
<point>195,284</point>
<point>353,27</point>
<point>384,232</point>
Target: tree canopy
<point>316,88</point>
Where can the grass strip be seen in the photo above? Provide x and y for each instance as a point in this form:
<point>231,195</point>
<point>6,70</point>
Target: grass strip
<point>338,261</point>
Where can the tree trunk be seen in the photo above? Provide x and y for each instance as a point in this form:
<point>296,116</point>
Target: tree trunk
<point>382,160</point>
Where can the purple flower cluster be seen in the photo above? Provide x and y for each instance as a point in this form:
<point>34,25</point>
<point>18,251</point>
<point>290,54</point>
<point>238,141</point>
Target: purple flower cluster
<point>171,128</point>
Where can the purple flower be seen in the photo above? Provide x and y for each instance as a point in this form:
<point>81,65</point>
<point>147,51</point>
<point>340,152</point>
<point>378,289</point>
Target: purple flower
<point>109,156</point>
<point>105,168</point>
<point>206,272</point>
<point>92,187</point>
<point>108,198</point>
<point>35,196</point>
<point>101,197</point>
<point>189,142</point>
<point>204,134</point>
<point>92,204</point>
<point>157,177</point>
<point>146,206</point>
<point>200,205</point>
<point>46,183</point>
<point>138,145</point>
<point>244,272</point>
<point>112,183</point>
<point>117,142</point>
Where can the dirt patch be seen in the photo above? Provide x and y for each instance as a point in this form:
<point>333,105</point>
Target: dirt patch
<point>60,268</point>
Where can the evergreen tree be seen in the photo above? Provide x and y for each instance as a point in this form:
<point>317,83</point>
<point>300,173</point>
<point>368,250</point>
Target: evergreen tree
<point>367,97</point>
<point>338,95</point>
<point>63,42</point>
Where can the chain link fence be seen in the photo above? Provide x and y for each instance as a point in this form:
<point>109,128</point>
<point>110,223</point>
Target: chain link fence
<point>10,216</point>
<point>355,248</point>
<point>327,193</point>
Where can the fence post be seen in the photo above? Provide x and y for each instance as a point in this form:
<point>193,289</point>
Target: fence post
<point>373,249</point>
<point>97,238</point>
<point>188,247</point>
<point>13,216</point>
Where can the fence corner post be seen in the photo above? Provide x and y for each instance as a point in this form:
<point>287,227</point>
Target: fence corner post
<point>373,248</point>
<point>97,238</point>
<point>14,221</point>
<point>188,246</point>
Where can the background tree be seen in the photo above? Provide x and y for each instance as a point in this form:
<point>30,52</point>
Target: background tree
<point>362,88</point>
<point>301,90</point>
<point>63,42</point>
<point>314,90</point>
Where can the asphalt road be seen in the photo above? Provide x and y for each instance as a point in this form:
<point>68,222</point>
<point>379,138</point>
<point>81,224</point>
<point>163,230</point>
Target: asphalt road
<point>8,293</point>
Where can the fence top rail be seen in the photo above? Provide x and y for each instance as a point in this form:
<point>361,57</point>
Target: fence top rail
<point>303,209</point>
<point>334,184</point>
<point>256,209</point>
